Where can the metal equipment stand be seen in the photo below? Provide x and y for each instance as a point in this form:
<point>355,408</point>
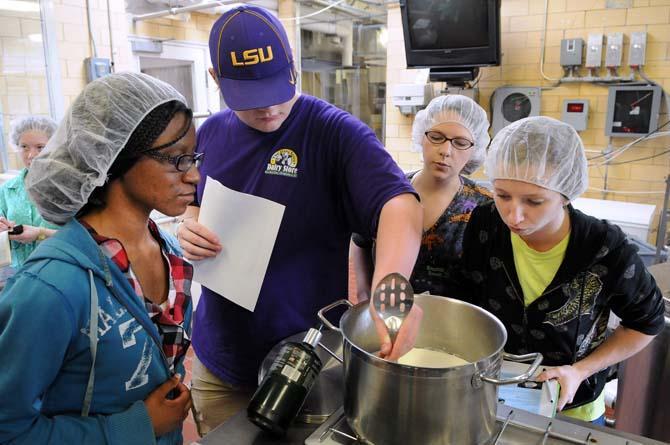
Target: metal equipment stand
<point>663,223</point>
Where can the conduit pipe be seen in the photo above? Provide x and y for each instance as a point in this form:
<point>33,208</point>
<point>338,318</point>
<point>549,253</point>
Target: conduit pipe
<point>183,9</point>
<point>353,12</point>
<point>544,43</point>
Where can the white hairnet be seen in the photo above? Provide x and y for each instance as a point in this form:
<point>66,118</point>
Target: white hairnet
<point>30,123</point>
<point>461,110</point>
<point>419,128</point>
<point>93,132</point>
<point>542,151</point>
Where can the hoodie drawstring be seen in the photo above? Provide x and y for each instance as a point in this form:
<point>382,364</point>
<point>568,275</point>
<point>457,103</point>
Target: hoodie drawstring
<point>93,340</point>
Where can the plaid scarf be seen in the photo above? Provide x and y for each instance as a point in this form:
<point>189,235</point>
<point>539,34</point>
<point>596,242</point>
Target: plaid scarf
<point>169,316</point>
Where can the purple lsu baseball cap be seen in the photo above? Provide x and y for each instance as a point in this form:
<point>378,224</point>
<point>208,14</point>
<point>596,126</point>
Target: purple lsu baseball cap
<point>252,58</point>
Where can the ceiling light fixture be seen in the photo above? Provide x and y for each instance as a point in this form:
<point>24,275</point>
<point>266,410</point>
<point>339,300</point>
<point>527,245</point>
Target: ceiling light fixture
<point>19,6</point>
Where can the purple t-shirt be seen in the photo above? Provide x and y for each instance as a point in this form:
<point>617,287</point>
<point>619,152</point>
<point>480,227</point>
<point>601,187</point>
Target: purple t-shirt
<point>334,177</point>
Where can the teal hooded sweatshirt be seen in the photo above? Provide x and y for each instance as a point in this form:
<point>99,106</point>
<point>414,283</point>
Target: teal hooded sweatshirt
<point>46,350</point>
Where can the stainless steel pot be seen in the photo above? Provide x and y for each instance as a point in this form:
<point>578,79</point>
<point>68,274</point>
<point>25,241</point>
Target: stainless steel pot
<point>387,403</point>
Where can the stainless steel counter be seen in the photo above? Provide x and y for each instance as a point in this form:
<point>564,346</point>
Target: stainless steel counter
<point>239,431</point>
<point>521,429</point>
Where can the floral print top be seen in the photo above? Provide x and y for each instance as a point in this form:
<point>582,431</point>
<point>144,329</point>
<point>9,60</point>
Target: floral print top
<point>442,244</point>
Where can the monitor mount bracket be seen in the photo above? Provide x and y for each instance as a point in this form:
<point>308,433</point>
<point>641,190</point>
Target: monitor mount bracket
<point>454,77</point>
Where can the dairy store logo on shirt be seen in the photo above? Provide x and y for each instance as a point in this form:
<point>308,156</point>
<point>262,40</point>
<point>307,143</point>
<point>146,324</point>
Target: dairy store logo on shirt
<point>283,162</point>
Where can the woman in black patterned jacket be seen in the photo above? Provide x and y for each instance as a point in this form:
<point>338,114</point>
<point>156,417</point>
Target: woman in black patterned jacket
<point>552,274</point>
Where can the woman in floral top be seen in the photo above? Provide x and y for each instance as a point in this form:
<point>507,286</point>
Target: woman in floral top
<point>452,134</point>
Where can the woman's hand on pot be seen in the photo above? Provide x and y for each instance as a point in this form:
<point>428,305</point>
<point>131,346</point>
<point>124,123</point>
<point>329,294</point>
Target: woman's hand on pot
<point>569,377</point>
<point>197,241</point>
<point>168,414</point>
<point>406,336</point>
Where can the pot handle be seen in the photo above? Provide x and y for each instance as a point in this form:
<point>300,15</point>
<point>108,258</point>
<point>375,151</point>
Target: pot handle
<point>331,353</point>
<point>537,360</point>
<point>323,310</point>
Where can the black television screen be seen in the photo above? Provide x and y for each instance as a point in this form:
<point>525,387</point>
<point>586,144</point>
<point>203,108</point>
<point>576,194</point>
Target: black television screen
<point>456,33</point>
<point>435,24</point>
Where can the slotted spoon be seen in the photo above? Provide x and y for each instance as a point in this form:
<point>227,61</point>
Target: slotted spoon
<point>393,299</point>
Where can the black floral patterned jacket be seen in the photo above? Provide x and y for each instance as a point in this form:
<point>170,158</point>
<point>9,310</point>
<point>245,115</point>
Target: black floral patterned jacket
<point>601,272</point>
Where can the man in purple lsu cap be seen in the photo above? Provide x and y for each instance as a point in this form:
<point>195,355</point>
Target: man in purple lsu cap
<point>333,176</point>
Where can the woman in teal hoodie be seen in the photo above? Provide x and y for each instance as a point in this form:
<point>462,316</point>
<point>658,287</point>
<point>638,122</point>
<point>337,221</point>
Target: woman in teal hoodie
<point>94,327</point>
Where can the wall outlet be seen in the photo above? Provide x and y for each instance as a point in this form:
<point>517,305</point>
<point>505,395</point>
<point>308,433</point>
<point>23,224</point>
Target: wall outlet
<point>614,50</point>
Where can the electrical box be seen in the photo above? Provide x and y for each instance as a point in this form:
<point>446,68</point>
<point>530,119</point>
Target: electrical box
<point>594,51</point>
<point>97,67</point>
<point>632,111</point>
<point>638,46</point>
<point>576,113</point>
<point>614,50</point>
<point>571,52</point>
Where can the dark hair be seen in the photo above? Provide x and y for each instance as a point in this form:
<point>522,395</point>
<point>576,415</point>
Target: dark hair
<point>140,141</point>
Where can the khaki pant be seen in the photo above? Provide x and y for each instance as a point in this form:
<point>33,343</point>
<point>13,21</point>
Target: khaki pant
<point>214,400</point>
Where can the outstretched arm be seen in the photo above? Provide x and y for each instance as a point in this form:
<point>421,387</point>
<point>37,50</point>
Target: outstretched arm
<point>398,243</point>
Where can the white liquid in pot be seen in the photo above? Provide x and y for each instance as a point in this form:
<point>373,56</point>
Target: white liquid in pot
<point>428,358</point>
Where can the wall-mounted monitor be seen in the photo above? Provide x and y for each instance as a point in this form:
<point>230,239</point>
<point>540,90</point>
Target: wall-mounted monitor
<point>451,33</point>
<point>632,111</point>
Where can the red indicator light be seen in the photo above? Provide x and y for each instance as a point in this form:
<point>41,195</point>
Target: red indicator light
<point>575,108</point>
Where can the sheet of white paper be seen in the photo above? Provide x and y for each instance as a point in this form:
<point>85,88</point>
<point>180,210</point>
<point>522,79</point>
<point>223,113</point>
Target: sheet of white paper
<point>247,227</point>
<point>5,252</point>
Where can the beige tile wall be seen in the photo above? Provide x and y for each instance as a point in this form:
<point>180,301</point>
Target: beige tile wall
<point>23,86</point>
<point>73,41</point>
<point>193,27</point>
<point>522,24</point>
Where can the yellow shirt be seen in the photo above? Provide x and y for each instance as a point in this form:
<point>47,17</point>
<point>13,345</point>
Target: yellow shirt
<point>536,270</point>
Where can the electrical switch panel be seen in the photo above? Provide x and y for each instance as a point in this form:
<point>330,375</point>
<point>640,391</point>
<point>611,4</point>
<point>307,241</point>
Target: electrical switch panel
<point>614,50</point>
<point>576,113</point>
<point>571,52</point>
<point>638,45</point>
<point>594,51</point>
<point>97,67</point>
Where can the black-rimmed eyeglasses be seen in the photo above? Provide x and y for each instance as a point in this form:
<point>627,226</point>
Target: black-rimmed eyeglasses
<point>437,138</point>
<point>182,163</point>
